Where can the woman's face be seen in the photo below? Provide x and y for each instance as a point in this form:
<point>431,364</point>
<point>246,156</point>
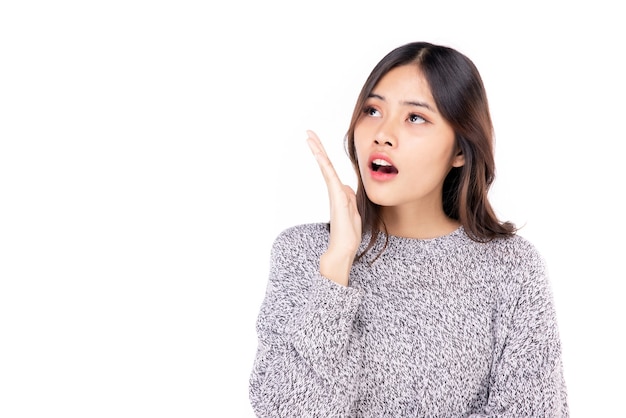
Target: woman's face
<point>404,147</point>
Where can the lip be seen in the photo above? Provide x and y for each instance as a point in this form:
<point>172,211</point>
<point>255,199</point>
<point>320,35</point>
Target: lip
<point>378,175</point>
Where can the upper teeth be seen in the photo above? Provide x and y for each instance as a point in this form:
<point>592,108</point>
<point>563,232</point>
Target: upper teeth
<point>378,161</point>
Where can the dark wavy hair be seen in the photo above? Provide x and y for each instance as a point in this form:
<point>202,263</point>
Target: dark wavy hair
<point>460,96</point>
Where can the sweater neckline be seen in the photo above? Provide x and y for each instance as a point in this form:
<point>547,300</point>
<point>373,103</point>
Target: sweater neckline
<point>400,247</point>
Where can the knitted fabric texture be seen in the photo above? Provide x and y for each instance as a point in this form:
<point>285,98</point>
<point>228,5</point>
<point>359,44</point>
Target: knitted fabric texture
<point>444,327</point>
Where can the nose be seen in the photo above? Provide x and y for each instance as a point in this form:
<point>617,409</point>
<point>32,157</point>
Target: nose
<point>386,141</point>
<point>385,135</point>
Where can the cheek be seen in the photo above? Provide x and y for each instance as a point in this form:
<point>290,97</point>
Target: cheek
<point>359,147</point>
<point>359,134</point>
<point>362,162</point>
<point>438,150</point>
<point>426,162</point>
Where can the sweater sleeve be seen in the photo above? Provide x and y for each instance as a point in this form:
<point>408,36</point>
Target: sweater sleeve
<point>527,375</point>
<point>305,364</point>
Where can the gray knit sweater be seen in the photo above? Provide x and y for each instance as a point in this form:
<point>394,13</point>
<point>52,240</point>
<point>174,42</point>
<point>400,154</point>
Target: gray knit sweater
<point>444,327</point>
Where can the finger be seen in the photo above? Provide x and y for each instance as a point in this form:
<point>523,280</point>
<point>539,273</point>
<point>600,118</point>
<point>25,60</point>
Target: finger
<point>326,167</point>
<point>328,171</point>
<point>315,143</point>
<point>350,197</point>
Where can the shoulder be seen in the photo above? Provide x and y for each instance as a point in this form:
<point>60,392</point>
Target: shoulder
<point>513,259</point>
<point>520,264</point>
<point>302,238</point>
<point>516,251</point>
<point>296,251</point>
<point>303,233</point>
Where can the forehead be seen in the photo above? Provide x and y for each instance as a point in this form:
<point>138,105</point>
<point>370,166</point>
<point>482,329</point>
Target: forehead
<point>406,82</point>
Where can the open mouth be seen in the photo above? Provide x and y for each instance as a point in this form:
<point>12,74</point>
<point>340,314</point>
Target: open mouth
<point>384,167</point>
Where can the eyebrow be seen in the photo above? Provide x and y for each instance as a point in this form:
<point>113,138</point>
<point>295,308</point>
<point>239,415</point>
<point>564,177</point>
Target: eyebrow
<point>407,103</point>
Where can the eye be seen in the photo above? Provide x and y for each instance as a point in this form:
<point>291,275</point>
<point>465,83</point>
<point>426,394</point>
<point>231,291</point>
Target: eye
<point>370,111</point>
<point>417,119</point>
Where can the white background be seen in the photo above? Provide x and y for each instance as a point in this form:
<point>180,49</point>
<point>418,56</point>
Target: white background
<point>151,151</point>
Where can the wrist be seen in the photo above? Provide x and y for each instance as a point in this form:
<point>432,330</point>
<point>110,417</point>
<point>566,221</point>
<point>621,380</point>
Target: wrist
<point>336,267</point>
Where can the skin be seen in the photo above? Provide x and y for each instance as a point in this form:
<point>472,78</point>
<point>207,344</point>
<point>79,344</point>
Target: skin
<point>402,123</point>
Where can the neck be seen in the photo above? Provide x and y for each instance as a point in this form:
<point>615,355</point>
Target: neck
<point>421,224</point>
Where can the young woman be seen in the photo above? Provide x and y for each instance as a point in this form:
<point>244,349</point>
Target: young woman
<point>415,300</point>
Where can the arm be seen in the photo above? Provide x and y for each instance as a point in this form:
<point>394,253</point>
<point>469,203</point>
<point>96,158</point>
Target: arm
<point>305,364</point>
<point>527,375</point>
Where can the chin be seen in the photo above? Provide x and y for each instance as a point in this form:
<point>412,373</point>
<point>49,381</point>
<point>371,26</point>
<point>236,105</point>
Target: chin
<point>379,200</point>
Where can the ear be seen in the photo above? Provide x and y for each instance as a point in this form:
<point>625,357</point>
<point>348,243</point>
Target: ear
<point>459,159</point>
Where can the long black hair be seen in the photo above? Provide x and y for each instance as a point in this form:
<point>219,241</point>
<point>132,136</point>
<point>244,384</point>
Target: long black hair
<point>460,96</point>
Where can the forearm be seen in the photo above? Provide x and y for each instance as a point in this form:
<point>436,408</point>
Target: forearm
<point>305,360</point>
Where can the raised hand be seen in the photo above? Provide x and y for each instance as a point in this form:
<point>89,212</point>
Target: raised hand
<point>345,221</point>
